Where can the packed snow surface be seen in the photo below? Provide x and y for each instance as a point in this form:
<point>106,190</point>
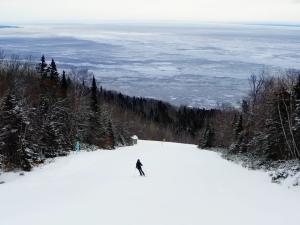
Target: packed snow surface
<point>183,186</point>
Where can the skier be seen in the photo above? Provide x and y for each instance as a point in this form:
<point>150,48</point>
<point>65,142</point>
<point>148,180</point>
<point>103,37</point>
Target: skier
<point>139,167</point>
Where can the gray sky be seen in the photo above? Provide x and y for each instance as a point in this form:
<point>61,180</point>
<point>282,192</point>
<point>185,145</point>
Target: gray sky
<point>141,10</point>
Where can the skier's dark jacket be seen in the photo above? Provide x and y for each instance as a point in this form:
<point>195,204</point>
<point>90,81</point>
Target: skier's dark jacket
<point>139,164</point>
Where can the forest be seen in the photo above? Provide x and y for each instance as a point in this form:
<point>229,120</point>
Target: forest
<point>44,112</point>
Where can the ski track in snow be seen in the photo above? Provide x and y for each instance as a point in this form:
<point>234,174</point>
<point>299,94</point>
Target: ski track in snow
<point>184,186</point>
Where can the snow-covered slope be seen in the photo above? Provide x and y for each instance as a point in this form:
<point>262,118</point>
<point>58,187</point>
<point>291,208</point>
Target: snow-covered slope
<point>184,186</point>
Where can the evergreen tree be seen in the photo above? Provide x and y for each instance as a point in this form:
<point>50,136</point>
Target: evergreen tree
<point>64,84</point>
<point>94,96</point>
<point>239,127</point>
<point>96,132</point>
<point>54,132</point>
<point>238,145</point>
<point>42,67</point>
<point>273,143</point>
<point>12,136</point>
<point>97,123</point>
<point>208,137</point>
<point>276,142</point>
<point>54,75</point>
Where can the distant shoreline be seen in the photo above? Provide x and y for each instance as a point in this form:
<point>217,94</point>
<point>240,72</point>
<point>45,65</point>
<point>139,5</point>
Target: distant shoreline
<point>157,23</point>
<point>5,26</point>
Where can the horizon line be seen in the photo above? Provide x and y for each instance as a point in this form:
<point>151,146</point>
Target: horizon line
<point>149,22</point>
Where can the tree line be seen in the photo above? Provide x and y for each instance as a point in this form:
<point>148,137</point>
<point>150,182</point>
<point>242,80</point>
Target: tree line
<point>267,125</point>
<point>44,112</point>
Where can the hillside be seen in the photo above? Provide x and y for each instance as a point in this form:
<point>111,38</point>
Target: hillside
<point>44,112</point>
<point>184,185</point>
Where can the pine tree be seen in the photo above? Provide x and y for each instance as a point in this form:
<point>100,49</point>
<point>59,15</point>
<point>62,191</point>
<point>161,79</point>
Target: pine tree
<point>239,127</point>
<point>238,144</point>
<point>95,131</point>
<point>208,137</point>
<point>64,84</point>
<point>94,96</point>
<point>54,132</point>
<point>96,134</point>
<point>273,144</point>
<point>12,136</point>
<point>54,75</point>
<point>42,67</point>
<point>276,140</point>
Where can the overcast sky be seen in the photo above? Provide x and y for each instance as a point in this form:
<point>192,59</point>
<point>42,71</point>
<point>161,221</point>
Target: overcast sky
<point>141,10</point>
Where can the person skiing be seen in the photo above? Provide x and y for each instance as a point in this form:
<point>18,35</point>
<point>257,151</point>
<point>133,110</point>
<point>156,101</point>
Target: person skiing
<point>139,167</point>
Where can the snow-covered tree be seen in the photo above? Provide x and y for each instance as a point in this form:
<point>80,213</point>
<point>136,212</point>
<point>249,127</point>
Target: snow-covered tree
<point>13,135</point>
<point>208,137</point>
<point>238,127</point>
<point>54,137</point>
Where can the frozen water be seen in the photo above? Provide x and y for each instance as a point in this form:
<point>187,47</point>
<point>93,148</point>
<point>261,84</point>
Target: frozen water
<point>193,65</point>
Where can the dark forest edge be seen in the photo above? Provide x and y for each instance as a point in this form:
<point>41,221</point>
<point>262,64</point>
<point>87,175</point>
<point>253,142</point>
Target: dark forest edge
<point>44,113</point>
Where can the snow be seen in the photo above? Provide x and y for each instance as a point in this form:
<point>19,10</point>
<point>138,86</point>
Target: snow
<point>135,137</point>
<point>183,186</point>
